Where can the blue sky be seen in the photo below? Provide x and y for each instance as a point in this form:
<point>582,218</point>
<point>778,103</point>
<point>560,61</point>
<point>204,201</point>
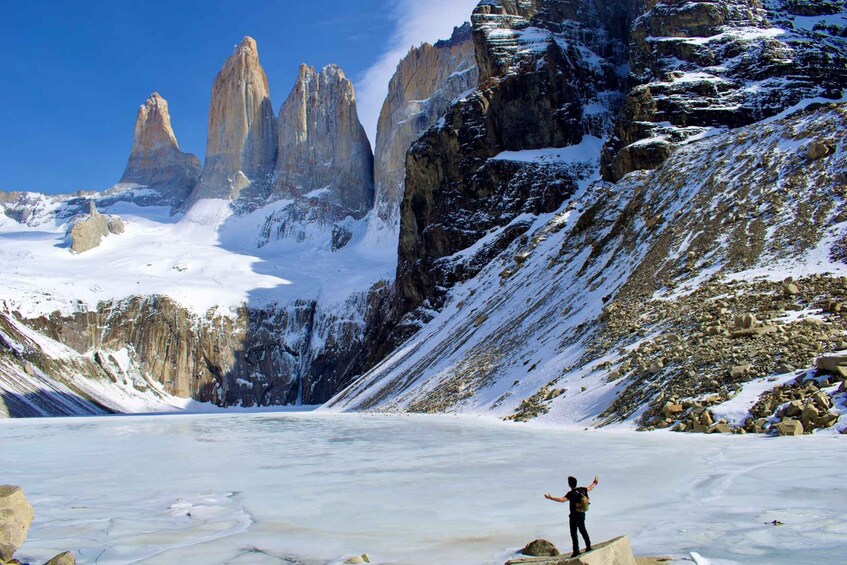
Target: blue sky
<point>73,74</point>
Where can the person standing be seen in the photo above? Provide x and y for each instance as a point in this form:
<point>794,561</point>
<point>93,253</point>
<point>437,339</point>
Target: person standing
<point>577,498</point>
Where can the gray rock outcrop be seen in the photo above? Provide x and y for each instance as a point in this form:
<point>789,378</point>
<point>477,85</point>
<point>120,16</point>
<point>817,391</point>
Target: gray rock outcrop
<point>427,80</point>
<point>155,161</point>
<point>325,158</point>
<point>88,232</point>
<point>16,515</point>
<point>242,144</point>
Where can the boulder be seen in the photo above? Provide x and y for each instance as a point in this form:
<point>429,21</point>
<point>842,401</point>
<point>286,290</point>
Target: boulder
<point>790,289</point>
<point>363,558</point>
<point>827,420</point>
<point>789,427</point>
<point>613,552</point>
<point>719,428</point>
<point>540,547</point>
<point>16,514</point>
<point>817,150</point>
<point>739,371</point>
<point>795,408</point>
<point>66,558</point>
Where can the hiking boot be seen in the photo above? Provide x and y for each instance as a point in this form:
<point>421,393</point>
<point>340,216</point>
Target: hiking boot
<point>588,548</point>
<point>575,554</point>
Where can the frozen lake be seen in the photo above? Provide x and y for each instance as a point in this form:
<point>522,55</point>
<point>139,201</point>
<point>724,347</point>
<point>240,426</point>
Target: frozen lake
<point>310,488</point>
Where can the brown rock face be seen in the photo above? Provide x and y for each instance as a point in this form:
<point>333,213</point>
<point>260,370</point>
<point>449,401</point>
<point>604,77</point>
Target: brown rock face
<point>155,161</point>
<point>242,131</point>
<point>325,157</point>
<point>425,83</point>
<point>88,232</point>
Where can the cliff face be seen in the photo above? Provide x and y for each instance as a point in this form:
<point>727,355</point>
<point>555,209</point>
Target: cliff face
<point>325,157</point>
<point>705,65</point>
<point>427,80</point>
<point>155,161</point>
<point>242,144</point>
<point>301,352</point>
<point>542,84</point>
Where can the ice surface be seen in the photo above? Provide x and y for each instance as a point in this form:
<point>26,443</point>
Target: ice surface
<point>310,488</point>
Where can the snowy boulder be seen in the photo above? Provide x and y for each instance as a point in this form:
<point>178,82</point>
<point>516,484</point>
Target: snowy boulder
<point>66,558</point>
<point>16,514</point>
<point>539,548</point>
<point>363,558</point>
<point>613,552</point>
<point>87,233</point>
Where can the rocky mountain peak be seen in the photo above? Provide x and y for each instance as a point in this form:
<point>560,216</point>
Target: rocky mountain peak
<point>153,125</point>
<point>325,157</point>
<point>155,160</point>
<point>426,81</point>
<point>242,142</point>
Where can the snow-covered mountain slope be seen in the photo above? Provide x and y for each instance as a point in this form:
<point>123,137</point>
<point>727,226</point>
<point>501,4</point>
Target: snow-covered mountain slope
<point>205,304</point>
<point>601,305</point>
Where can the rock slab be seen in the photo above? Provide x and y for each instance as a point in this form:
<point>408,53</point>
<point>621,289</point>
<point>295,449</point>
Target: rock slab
<point>616,551</point>
<point>16,515</point>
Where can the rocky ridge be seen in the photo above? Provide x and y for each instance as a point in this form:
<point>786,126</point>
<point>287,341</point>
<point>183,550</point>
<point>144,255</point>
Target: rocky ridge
<point>628,317</point>
<point>537,78</point>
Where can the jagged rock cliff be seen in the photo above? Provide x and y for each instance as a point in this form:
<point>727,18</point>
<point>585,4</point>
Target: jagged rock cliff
<point>704,65</point>
<point>156,165</point>
<point>325,158</point>
<point>427,80</point>
<point>242,144</point>
<point>542,84</point>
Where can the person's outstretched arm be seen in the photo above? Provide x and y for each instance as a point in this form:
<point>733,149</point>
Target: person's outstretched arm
<point>592,485</point>
<point>549,496</point>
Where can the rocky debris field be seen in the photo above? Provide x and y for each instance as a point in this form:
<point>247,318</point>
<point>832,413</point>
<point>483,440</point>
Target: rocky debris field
<point>682,356</point>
